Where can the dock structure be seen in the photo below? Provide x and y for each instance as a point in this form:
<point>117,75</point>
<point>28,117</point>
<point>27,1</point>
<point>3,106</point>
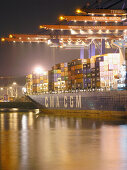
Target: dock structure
<point>93,29</point>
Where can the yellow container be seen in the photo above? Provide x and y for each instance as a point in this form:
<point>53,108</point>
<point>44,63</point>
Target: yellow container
<point>79,67</point>
<point>36,81</point>
<point>41,77</point>
<point>79,76</point>
<point>59,71</point>
<point>73,68</point>
<point>98,84</point>
<point>61,64</point>
<point>79,80</point>
<point>66,73</point>
<point>29,76</point>
<point>62,74</point>
<point>65,68</point>
<point>45,81</point>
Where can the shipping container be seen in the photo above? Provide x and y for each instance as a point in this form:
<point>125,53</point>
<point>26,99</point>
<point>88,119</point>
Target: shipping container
<point>79,76</point>
<point>79,67</point>
<point>84,71</point>
<point>97,84</point>
<point>88,75</point>
<point>85,85</point>
<point>79,80</point>
<point>73,68</point>
<point>80,71</point>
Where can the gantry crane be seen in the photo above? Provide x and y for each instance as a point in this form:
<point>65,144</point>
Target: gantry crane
<point>105,25</point>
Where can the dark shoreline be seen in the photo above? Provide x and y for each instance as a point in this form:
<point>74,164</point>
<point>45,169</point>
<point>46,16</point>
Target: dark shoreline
<point>18,105</point>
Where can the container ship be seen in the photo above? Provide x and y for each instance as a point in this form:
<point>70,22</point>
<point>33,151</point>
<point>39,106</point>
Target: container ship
<point>97,84</point>
<point>92,85</point>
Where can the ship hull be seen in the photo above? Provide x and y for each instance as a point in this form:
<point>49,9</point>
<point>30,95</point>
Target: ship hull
<point>88,102</point>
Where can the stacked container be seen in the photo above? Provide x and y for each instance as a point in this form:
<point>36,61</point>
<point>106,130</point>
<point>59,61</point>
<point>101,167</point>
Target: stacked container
<point>101,71</point>
<point>71,75</point>
<point>64,76</point>
<point>86,74</point>
<point>54,77</point>
<point>36,88</point>
<point>79,73</point>
<point>44,82</point>
<point>29,83</point>
<point>50,82</point>
<point>107,68</point>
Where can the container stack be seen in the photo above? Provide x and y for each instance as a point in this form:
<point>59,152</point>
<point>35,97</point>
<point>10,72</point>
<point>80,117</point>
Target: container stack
<point>54,77</point>
<point>107,67</point>
<point>44,82</point>
<point>50,82</point>
<point>36,88</point>
<point>71,76</point>
<point>86,74</point>
<point>79,73</point>
<point>99,72</point>
<point>99,62</point>
<point>29,83</point>
<point>64,76</point>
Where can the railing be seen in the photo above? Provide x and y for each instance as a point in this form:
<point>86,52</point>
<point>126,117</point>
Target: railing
<point>71,91</point>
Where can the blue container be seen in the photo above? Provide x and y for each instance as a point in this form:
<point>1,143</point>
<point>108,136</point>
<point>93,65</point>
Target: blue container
<point>58,75</point>
<point>85,85</point>
<point>85,80</point>
<point>84,71</point>
<point>88,70</point>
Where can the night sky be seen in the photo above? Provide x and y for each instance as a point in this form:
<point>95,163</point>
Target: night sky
<point>24,17</point>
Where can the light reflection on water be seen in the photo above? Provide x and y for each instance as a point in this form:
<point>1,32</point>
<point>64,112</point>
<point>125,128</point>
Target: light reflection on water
<point>29,141</point>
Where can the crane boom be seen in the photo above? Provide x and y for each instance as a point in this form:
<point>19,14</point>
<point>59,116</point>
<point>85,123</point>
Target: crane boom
<point>73,27</point>
<point>91,18</point>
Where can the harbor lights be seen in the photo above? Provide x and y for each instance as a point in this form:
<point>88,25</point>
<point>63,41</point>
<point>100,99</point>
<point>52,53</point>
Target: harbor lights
<point>10,36</point>
<point>14,84</point>
<point>38,70</point>
<point>2,39</point>
<point>61,18</point>
<point>78,11</point>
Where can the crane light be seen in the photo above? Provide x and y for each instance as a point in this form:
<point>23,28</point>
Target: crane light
<point>2,39</point>
<point>78,11</point>
<point>38,70</point>
<point>10,36</point>
<point>40,27</point>
<point>61,18</point>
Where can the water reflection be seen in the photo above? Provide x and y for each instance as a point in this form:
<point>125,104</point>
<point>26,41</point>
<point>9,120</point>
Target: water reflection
<point>29,141</point>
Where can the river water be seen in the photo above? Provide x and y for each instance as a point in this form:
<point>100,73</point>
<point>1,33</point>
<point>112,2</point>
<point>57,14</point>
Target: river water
<point>39,142</point>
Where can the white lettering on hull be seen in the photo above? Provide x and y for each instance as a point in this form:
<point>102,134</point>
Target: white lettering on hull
<point>78,101</point>
<point>51,101</point>
<point>75,102</point>
<point>46,102</point>
<point>57,102</point>
<point>65,101</point>
<point>71,102</point>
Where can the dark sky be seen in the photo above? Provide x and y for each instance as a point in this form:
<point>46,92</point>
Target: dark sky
<point>24,16</point>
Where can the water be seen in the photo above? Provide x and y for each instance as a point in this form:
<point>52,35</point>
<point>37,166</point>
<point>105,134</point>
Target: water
<point>31,142</point>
